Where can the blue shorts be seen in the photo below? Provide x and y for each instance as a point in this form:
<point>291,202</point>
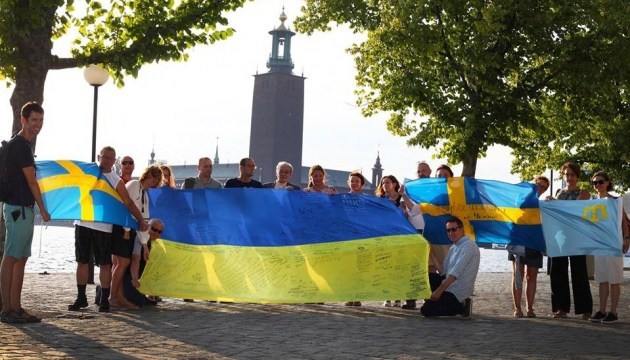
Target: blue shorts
<point>19,221</point>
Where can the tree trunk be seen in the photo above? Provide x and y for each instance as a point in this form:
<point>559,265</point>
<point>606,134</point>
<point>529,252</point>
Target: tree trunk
<point>470,162</point>
<point>34,48</point>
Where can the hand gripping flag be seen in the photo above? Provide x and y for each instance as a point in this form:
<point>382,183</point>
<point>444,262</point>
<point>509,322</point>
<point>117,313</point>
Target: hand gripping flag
<point>278,246</point>
<point>492,211</point>
<point>75,190</point>
<point>584,227</point>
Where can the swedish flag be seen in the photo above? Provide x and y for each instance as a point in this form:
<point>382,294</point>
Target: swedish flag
<point>75,190</point>
<point>492,211</point>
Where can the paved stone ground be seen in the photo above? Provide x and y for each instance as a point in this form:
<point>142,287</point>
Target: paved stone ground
<point>202,330</point>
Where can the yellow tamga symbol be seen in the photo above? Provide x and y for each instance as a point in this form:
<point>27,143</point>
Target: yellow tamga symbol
<point>595,213</point>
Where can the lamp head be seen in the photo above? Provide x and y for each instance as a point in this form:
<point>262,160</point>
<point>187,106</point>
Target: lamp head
<point>95,75</point>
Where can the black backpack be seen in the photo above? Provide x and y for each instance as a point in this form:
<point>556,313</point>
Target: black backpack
<point>5,185</point>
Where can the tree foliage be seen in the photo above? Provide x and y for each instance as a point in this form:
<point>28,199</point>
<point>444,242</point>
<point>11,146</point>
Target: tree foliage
<point>122,35</point>
<point>588,119</point>
<point>462,75</point>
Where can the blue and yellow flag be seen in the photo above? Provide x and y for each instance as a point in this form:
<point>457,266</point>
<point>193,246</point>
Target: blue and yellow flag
<point>75,190</point>
<point>277,246</point>
<point>585,227</point>
<point>492,211</point>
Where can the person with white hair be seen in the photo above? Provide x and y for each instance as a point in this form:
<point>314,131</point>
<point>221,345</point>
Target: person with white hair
<point>284,170</point>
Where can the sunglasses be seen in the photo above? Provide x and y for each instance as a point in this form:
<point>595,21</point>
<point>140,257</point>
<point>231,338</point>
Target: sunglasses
<point>453,229</point>
<point>599,182</point>
<point>127,162</point>
<point>156,230</point>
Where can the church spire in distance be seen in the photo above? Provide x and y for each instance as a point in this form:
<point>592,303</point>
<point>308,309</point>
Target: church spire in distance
<point>377,170</point>
<point>216,154</point>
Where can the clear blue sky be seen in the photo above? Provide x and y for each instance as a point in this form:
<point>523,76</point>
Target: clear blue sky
<point>181,108</point>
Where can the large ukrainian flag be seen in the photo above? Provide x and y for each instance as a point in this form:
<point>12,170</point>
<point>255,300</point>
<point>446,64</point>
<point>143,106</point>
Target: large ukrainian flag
<point>277,246</point>
<point>492,211</point>
<point>75,190</point>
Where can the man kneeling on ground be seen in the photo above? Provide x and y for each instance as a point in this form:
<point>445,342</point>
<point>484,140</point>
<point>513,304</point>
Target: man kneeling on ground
<point>454,283</point>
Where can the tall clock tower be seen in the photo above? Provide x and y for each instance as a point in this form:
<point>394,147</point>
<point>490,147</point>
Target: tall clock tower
<point>278,110</point>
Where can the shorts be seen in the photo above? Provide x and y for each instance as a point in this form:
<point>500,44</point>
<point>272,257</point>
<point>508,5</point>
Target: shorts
<point>609,269</point>
<point>120,246</point>
<point>19,221</point>
<point>89,241</point>
<point>532,258</point>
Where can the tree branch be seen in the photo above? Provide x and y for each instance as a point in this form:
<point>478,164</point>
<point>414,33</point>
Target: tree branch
<point>58,63</point>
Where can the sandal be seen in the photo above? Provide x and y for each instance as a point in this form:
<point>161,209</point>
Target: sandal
<point>559,315</point>
<point>11,317</point>
<point>531,314</point>
<point>518,313</point>
<point>28,318</point>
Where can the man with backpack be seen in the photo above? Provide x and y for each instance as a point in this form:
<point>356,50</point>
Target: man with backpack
<point>19,193</point>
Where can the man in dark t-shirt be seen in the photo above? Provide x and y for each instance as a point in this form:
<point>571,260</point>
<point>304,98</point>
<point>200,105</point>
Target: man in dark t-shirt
<point>247,166</point>
<point>19,214</point>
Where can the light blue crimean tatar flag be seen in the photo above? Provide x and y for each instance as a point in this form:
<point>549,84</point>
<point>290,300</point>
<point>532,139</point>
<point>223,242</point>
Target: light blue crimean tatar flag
<point>584,227</point>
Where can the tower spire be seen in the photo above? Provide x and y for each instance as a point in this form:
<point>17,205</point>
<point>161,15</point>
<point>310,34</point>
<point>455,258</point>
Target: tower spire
<point>152,161</point>
<point>216,153</point>
<point>377,170</point>
<point>280,58</point>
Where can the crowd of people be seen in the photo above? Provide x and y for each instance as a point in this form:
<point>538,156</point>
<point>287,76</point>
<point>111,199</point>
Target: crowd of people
<point>121,253</point>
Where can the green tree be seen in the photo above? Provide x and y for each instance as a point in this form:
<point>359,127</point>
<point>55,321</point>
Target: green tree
<point>462,75</point>
<point>122,35</point>
<point>586,120</point>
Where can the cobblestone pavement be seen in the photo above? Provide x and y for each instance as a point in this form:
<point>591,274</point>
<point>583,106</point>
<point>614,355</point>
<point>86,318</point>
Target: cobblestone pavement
<point>202,330</point>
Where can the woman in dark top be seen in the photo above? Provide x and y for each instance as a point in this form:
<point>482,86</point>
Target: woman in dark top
<point>558,266</point>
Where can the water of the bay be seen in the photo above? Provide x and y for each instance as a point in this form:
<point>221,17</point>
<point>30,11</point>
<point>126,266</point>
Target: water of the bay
<point>53,252</point>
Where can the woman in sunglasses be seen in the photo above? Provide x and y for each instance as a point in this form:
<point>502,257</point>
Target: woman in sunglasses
<point>608,269</point>
<point>558,266</point>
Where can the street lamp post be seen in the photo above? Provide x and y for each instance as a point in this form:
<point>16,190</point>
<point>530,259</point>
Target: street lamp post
<point>96,76</point>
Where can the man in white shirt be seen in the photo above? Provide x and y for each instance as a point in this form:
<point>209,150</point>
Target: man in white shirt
<point>453,286</point>
<point>95,237</point>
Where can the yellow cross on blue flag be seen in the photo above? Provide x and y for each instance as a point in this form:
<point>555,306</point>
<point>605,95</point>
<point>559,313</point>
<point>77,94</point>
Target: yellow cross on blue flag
<point>75,190</point>
<point>493,212</point>
<point>585,227</point>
